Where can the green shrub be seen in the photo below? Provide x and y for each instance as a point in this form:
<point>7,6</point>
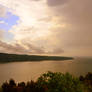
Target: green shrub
<point>58,82</point>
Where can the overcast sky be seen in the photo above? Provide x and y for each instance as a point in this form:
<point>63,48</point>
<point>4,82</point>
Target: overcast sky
<point>53,27</point>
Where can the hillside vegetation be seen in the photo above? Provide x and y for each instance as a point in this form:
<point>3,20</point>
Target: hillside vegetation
<point>14,57</point>
<point>51,82</point>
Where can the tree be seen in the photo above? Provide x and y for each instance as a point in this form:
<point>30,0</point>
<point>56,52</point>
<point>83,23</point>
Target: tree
<point>58,82</point>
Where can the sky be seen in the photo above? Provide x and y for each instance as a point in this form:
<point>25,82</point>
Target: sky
<point>50,27</point>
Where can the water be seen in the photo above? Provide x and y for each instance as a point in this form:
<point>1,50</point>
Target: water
<point>25,71</point>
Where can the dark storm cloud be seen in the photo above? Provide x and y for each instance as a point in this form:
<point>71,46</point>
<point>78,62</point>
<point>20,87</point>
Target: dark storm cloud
<point>56,2</point>
<point>78,14</point>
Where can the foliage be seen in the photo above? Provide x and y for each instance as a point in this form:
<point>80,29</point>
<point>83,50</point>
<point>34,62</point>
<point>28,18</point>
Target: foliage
<point>58,82</point>
<point>51,82</point>
<point>87,81</point>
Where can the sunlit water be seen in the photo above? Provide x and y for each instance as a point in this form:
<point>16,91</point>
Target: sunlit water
<point>25,71</point>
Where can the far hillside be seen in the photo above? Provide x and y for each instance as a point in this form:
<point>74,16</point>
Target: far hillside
<point>4,57</point>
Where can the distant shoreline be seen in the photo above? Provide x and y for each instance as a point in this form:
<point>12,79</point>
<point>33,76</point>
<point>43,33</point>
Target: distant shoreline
<point>4,57</point>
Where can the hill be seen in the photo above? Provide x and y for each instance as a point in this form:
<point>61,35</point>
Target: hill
<point>4,57</point>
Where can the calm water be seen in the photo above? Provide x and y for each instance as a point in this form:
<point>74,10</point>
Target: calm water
<point>25,71</point>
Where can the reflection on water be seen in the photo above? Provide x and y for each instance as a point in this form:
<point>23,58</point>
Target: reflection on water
<point>24,71</point>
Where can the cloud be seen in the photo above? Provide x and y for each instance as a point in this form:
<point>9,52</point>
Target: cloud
<point>28,29</point>
<point>77,14</point>
<point>56,2</point>
<point>48,26</point>
<point>1,34</point>
<point>25,48</point>
<point>3,11</point>
<point>10,48</point>
<point>18,48</point>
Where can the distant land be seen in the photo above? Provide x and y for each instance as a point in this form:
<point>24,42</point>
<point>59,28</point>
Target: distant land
<point>5,57</point>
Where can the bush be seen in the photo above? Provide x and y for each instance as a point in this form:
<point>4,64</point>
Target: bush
<point>87,81</point>
<point>51,82</point>
<point>58,82</point>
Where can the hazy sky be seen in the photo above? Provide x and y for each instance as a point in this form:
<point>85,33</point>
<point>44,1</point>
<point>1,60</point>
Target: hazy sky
<point>60,27</point>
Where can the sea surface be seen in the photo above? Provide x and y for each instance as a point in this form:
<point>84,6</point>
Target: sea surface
<point>26,71</point>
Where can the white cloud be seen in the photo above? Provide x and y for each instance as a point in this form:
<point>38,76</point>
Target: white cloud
<point>31,33</point>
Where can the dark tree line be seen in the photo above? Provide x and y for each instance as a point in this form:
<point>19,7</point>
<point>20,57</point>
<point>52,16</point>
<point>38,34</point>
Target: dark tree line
<point>20,58</point>
<point>21,87</point>
<point>87,81</point>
